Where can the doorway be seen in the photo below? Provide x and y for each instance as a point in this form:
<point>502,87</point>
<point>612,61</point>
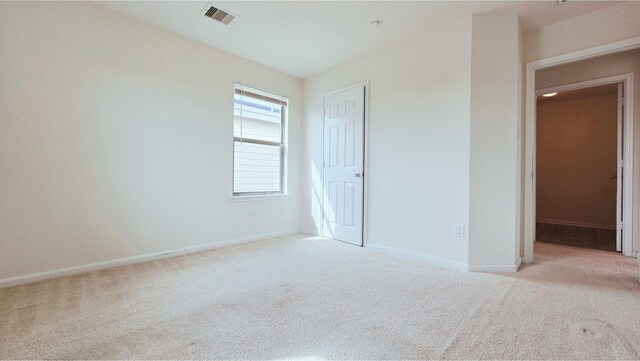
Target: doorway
<point>567,62</point>
<point>344,164</point>
<point>579,165</point>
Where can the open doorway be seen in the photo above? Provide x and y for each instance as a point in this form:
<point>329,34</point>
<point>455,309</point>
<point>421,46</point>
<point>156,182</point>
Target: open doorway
<point>608,64</point>
<point>579,153</point>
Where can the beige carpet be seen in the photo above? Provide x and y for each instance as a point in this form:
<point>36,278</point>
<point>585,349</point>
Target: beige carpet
<point>289,298</point>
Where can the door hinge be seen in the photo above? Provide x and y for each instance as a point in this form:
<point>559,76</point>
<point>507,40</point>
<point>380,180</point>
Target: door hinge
<point>621,163</point>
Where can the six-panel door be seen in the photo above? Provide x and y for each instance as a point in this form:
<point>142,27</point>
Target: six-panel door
<point>344,165</point>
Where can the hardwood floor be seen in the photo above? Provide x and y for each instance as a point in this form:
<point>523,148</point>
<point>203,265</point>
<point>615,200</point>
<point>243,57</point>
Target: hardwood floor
<point>583,237</point>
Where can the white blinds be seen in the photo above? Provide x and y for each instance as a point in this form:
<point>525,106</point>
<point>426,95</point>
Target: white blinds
<point>258,141</point>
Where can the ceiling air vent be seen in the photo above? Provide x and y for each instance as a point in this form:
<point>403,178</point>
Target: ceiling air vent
<point>217,14</point>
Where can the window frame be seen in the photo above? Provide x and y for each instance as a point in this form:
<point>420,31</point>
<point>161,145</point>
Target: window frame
<point>284,111</point>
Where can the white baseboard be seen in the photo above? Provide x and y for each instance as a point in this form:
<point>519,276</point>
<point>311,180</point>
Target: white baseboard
<point>577,224</point>
<point>310,231</point>
<point>497,268</point>
<point>435,261</point>
<point>35,277</point>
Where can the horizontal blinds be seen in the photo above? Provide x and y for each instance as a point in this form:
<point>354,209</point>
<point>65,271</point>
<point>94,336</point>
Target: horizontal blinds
<point>257,168</point>
<point>257,119</point>
<point>258,141</point>
<point>256,95</point>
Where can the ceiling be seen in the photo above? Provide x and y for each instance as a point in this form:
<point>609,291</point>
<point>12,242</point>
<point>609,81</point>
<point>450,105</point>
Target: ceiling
<point>593,91</point>
<point>302,38</point>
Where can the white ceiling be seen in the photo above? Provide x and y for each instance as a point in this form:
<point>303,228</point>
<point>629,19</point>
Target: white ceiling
<point>302,38</point>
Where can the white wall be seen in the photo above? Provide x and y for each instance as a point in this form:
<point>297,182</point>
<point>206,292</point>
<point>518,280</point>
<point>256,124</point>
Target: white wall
<point>418,142</point>
<point>443,142</point>
<point>135,157</point>
<point>116,140</point>
<point>613,23</point>
<point>495,118</point>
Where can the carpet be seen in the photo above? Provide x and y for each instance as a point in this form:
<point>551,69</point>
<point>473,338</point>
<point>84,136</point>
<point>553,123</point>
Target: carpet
<point>302,297</point>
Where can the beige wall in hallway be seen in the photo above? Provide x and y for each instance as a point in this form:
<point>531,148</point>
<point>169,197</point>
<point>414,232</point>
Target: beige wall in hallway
<point>576,156</point>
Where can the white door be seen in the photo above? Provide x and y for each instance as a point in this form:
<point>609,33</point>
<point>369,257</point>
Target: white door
<point>343,159</point>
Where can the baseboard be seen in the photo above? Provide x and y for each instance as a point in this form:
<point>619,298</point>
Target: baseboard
<point>497,268</point>
<point>435,261</point>
<point>35,277</point>
<point>310,231</point>
<point>575,223</point>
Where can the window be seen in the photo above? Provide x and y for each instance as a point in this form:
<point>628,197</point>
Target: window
<point>258,142</point>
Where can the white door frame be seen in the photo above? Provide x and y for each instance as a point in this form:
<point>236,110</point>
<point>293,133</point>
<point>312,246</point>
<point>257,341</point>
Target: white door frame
<point>626,186</point>
<point>530,137</point>
<point>365,181</point>
<point>619,167</point>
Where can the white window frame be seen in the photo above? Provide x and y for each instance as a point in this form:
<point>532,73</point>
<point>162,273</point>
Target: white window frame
<point>282,192</point>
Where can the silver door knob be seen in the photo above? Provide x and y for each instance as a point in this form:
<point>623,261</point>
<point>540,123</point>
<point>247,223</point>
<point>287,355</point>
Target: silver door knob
<point>358,175</point>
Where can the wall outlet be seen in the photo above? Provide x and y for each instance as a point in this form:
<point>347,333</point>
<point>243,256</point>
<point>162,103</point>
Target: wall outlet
<point>459,231</point>
<point>252,214</point>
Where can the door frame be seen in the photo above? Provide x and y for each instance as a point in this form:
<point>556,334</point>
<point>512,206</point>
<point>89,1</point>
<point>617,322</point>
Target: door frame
<point>365,160</point>
<point>620,202</point>
<point>530,137</point>
<point>626,186</point>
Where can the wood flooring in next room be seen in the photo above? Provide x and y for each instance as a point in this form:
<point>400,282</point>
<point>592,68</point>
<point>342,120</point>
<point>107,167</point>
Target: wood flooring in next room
<point>583,237</point>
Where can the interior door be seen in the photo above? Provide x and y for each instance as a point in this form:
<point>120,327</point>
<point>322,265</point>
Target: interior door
<point>620,169</point>
<point>343,165</point>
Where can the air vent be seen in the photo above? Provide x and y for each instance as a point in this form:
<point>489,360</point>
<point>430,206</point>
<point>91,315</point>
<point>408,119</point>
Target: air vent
<point>217,14</point>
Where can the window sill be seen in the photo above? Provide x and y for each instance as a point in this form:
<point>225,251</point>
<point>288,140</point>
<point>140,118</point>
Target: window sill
<point>266,197</point>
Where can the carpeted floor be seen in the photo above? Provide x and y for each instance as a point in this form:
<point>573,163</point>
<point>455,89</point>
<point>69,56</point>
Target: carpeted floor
<point>290,298</point>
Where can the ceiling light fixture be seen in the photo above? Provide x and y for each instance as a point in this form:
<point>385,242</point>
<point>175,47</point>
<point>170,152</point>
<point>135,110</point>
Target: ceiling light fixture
<point>549,95</point>
<point>375,23</point>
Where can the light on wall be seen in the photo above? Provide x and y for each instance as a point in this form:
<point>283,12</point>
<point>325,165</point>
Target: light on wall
<point>549,95</point>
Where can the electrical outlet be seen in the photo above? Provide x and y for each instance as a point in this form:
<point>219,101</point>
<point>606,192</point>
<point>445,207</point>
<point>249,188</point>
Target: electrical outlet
<point>252,214</point>
<point>459,230</point>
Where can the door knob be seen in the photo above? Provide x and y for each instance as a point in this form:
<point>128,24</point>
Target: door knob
<point>358,175</point>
